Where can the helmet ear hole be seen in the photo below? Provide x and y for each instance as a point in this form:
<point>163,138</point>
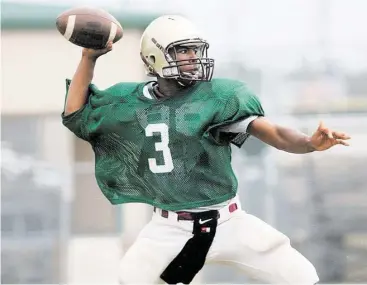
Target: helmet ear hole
<point>152,59</point>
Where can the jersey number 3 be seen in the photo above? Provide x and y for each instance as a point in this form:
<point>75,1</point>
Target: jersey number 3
<point>162,146</point>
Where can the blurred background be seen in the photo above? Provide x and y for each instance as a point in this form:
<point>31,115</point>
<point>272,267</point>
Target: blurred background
<point>307,61</point>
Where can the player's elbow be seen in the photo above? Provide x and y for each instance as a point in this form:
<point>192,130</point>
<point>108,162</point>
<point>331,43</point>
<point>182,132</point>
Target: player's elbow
<point>268,133</point>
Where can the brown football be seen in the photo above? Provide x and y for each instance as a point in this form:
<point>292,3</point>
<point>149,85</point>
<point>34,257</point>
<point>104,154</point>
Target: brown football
<point>89,27</point>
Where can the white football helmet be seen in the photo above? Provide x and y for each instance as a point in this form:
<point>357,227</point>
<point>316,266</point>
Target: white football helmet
<point>158,49</point>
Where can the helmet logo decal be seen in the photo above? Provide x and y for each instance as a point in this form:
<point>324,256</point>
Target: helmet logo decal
<point>157,44</point>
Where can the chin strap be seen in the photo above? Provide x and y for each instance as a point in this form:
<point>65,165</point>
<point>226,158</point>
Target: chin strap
<point>185,83</point>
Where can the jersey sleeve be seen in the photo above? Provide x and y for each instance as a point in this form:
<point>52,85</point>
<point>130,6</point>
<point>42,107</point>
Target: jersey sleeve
<point>76,121</point>
<point>241,106</point>
<point>85,121</point>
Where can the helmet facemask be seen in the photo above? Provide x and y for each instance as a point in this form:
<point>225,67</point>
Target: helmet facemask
<point>203,66</point>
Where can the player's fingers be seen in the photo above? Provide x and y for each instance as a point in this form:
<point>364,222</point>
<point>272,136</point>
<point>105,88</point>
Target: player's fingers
<point>339,141</point>
<point>327,132</point>
<point>324,130</point>
<point>107,48</point>
<point>340,135</point>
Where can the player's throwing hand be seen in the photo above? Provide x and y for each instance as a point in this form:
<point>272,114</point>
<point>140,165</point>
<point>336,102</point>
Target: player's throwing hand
<point>95,53</point>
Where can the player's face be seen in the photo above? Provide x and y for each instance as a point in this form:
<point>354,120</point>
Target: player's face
<point>188,57</point>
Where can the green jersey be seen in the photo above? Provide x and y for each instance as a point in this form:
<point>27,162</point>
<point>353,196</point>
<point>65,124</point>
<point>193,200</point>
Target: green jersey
<point>169,153</point>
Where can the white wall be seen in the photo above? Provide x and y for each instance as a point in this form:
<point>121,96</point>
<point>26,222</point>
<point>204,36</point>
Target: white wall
<point>36,63</point>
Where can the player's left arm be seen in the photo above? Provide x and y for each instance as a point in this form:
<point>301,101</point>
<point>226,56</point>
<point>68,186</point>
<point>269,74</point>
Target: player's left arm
<point>293,141</point>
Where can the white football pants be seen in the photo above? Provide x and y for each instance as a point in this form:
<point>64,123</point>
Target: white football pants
<point>242,240</point>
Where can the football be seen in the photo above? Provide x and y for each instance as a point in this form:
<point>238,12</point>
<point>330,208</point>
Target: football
<point>89,27</point>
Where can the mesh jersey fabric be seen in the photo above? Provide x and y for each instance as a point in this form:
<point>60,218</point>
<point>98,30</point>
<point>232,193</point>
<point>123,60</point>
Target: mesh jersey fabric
<point>168,153</point>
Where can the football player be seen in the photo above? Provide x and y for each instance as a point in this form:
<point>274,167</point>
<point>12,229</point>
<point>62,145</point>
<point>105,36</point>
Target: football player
<point>167,142</point>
